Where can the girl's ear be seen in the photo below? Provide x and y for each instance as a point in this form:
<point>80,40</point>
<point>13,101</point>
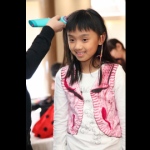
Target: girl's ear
<point>102,39</point>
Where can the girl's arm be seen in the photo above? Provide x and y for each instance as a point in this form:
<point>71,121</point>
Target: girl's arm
<point>120,86</point>
<point>60,115</point>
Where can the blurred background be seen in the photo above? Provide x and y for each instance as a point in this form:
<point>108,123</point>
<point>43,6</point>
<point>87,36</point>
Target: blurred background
<point>113,12</point>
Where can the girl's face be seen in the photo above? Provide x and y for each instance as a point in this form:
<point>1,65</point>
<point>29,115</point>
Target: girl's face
<point>83,44</point>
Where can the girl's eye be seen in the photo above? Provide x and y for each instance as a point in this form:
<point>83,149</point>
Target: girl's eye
<point>85,40</point>
<point>71,40</point>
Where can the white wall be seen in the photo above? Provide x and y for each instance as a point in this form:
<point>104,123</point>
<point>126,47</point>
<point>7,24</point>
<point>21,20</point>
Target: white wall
<point>116,28</point>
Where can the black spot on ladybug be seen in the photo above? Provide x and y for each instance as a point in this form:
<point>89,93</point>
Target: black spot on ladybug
<point>38,135</point>
<point>47,116</point>
<point>45,128</point>
<point>52,122</point>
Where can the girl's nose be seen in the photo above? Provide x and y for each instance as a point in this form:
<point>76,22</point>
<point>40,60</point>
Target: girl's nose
<point>78,45</point>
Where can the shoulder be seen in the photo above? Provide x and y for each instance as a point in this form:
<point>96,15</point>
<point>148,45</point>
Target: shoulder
<point>109,67</point>
<point>62,71</point>
<point>115,69</point>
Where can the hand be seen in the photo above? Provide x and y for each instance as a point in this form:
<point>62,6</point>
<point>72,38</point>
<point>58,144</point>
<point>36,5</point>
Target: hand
<point>55,24</point>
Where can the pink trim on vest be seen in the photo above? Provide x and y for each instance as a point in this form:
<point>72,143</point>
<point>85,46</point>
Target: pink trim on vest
<point>105,111</point>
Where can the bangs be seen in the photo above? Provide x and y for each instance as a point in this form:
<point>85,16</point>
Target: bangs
<point>81,21</point>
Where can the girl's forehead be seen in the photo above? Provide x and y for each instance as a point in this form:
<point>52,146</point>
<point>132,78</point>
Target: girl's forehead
<point>85,32</point>
<point>82,33</point>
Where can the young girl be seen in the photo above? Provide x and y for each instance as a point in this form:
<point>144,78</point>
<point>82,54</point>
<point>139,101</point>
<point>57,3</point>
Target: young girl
<point>89,106</point>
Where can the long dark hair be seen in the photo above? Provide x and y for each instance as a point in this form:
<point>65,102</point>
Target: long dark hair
<point>87,19</point>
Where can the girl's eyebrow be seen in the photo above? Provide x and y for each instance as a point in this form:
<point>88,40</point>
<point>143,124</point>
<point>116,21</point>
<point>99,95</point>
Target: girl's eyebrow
<point>80,35</point>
